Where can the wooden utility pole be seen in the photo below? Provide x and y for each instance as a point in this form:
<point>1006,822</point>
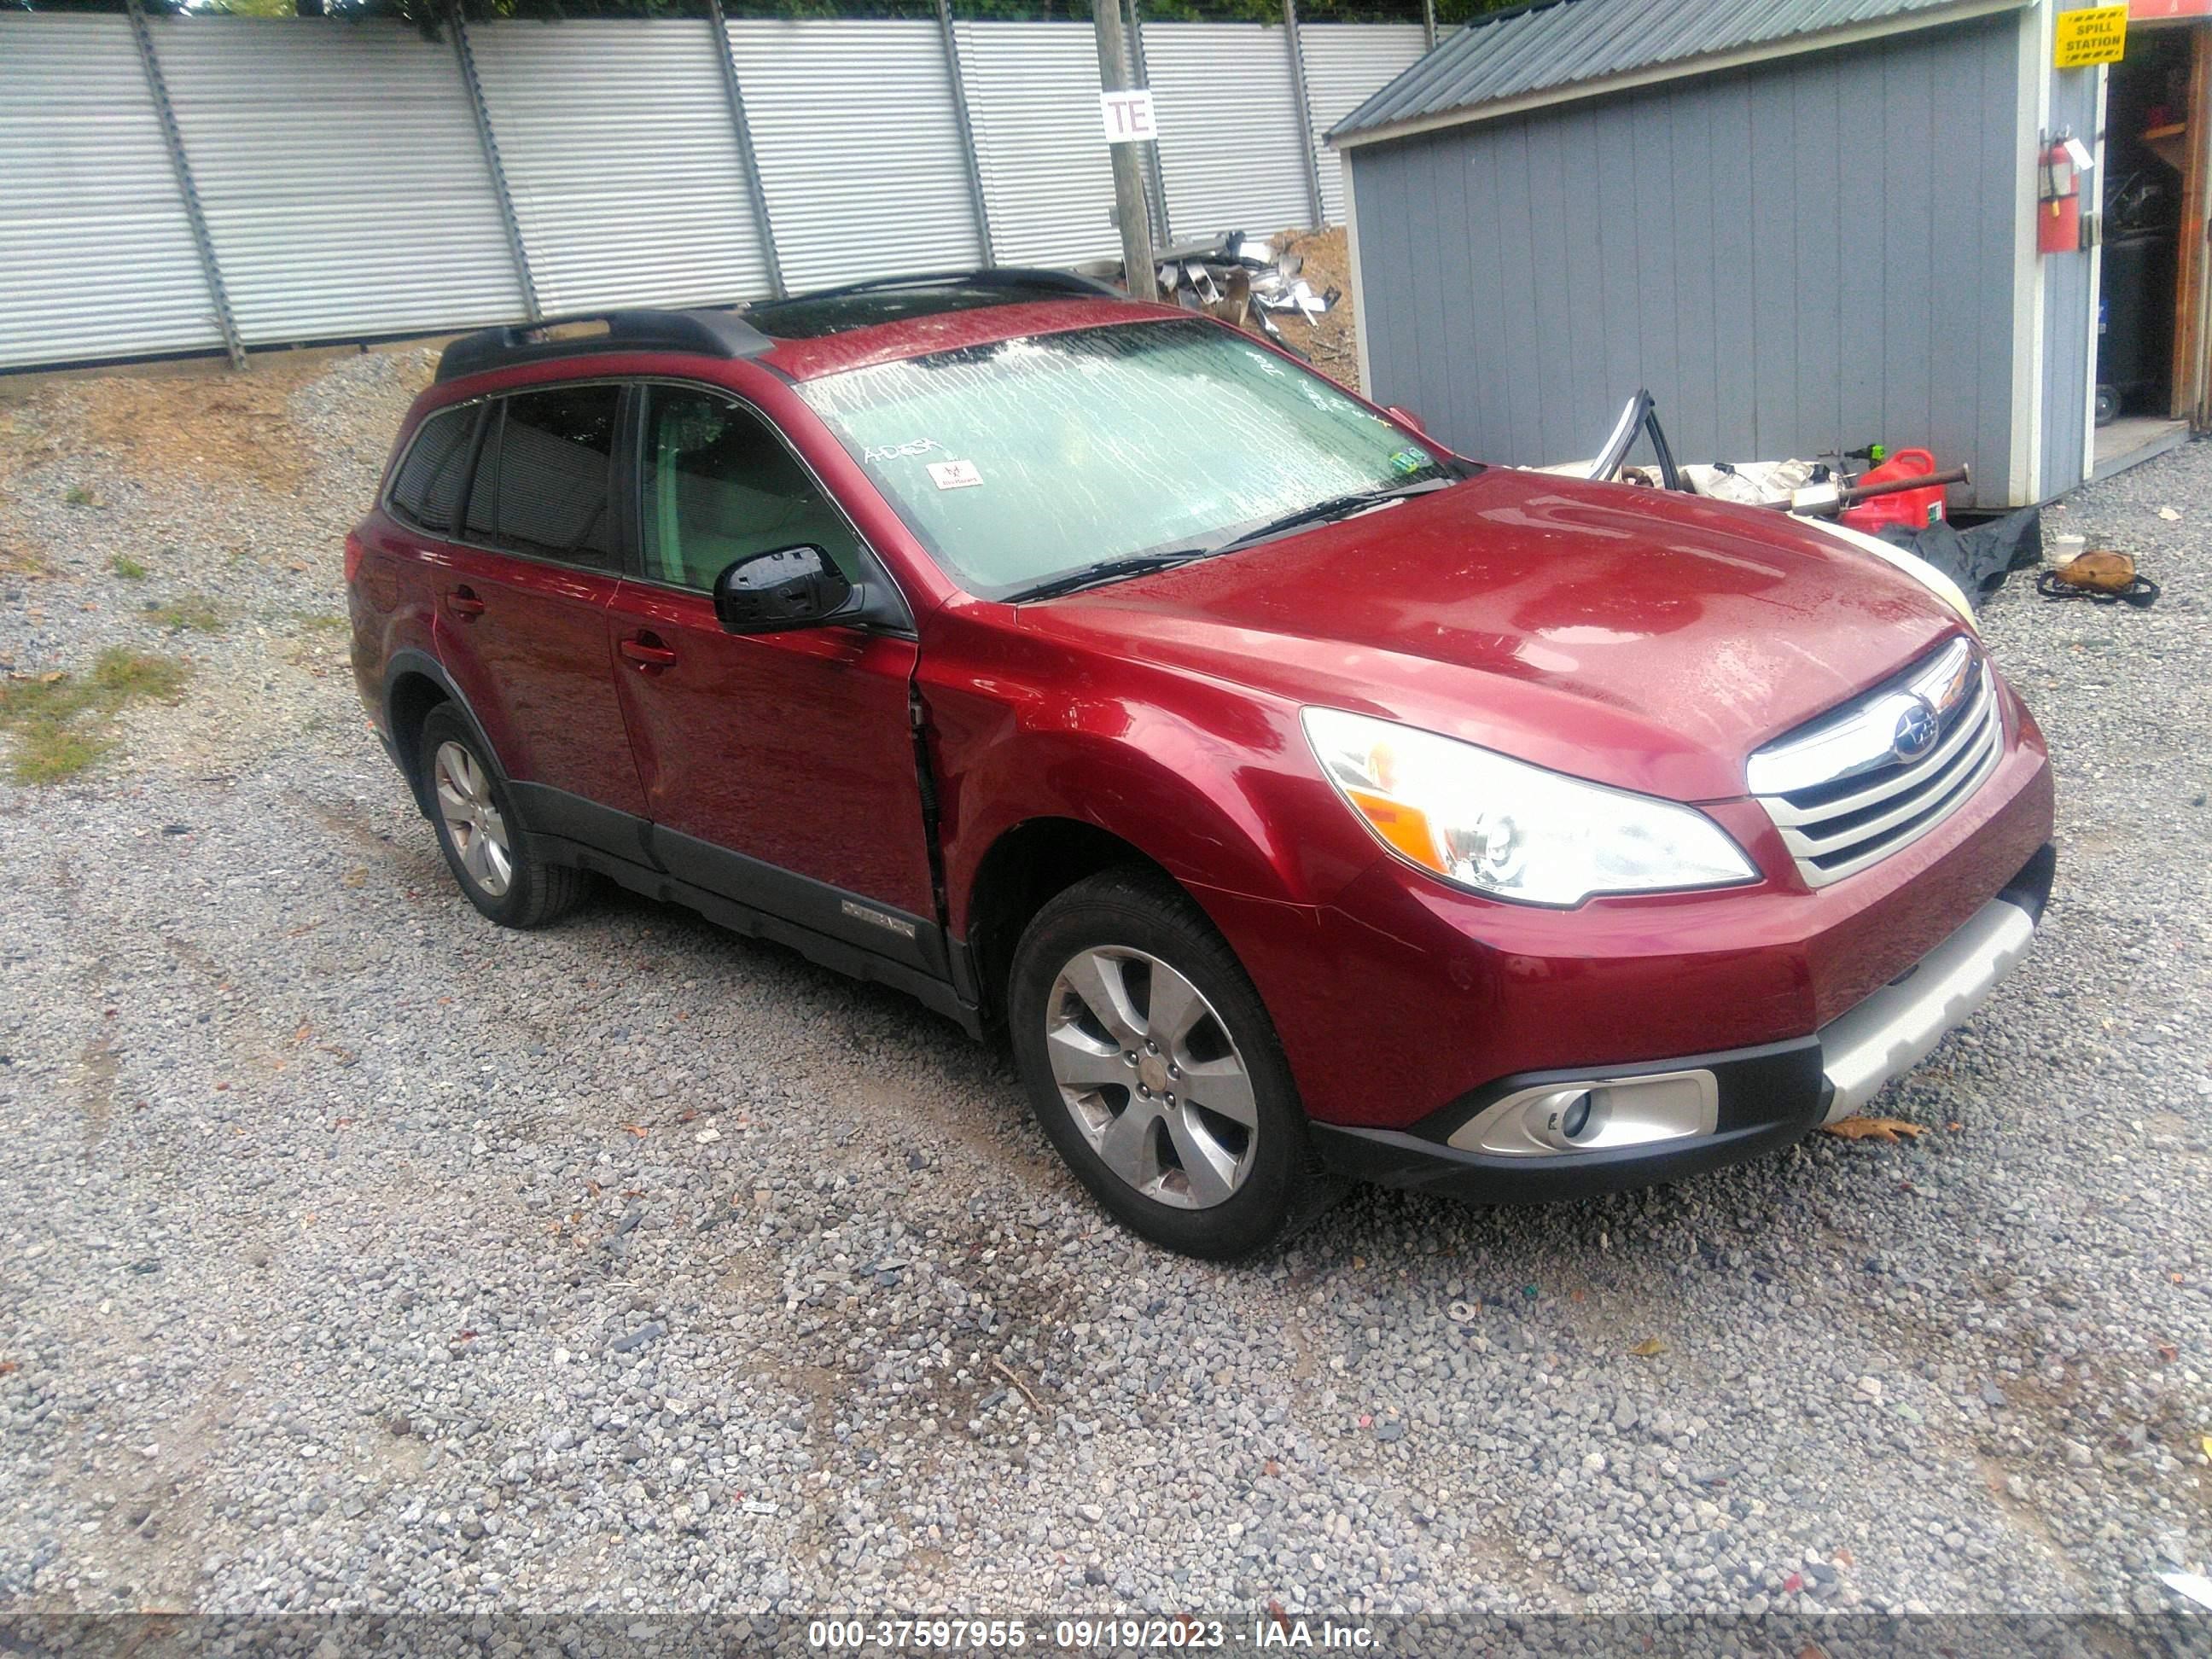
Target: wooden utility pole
<point>1138,271</point>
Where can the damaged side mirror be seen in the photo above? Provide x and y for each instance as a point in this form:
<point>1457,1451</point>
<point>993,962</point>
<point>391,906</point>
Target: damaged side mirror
<point>773,591</point>
<point>801,586</point>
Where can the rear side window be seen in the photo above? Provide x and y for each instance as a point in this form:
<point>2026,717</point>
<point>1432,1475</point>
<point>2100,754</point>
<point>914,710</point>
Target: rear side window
<point>427,489</point>
<point>542,482</point>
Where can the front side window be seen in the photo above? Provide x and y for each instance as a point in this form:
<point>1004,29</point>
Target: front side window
<point>542,481</point>
<point>1025,459</point>
<point>719,483</point>
<point>427,490</point>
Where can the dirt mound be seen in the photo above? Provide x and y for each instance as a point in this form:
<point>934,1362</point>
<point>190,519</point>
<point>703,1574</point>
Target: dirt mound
<point>162,431</point>
<point>1332,342</point>
<point>178,422</point>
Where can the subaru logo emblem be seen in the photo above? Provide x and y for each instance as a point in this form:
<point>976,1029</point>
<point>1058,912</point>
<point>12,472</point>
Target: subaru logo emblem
<point>1916,731</point>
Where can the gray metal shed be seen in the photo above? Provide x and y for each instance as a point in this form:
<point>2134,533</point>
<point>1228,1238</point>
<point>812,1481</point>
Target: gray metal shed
<point>1803,224</point>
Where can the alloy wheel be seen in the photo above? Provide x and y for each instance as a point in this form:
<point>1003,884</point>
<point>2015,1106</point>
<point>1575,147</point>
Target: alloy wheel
<point>1153,1077</point>
<point>472,818</point>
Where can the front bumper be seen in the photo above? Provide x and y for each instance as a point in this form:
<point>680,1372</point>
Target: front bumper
<point>1661,1121</point>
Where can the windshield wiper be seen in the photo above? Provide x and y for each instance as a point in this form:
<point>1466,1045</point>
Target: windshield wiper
<point>1335,507</point>
<point>1108,570</point>
<point>1142,564</point>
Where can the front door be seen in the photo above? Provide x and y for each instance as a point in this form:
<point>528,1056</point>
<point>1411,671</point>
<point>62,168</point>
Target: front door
<point>779,769</point>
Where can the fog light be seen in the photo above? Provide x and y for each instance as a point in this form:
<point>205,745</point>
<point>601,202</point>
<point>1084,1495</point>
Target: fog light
<point>1567,1117</point>
<point>1603,1114</point>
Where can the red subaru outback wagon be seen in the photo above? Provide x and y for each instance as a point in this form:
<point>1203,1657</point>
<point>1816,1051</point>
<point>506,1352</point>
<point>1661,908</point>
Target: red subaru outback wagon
<point>1303,801</point>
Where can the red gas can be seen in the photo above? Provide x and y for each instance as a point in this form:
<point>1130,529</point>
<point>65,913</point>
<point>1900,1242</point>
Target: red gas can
<point>1915,509</point>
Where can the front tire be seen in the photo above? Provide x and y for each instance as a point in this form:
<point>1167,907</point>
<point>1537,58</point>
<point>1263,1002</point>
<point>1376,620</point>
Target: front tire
<point>491,858</point>
<point>1152,1066</point>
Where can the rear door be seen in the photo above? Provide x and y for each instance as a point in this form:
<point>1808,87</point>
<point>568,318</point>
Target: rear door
<point>779,769</point>
<point>522,604</point>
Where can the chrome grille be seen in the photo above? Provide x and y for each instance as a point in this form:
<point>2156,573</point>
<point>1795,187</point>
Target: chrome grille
<point>1848,790</point>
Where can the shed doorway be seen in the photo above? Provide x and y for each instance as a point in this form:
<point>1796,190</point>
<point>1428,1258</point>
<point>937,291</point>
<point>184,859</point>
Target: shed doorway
<point>2150,306</point>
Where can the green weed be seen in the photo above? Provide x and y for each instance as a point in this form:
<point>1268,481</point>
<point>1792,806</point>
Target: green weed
<point>64,723</point>
<point>192,613</point>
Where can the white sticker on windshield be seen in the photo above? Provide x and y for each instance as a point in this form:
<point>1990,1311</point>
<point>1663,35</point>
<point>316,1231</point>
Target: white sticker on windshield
<point>954,475</point>
<point>893,452</point>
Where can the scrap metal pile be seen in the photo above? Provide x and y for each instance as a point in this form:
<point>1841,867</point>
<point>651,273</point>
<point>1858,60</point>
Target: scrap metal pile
<point>1241,279</point>
<point>1895,504</point>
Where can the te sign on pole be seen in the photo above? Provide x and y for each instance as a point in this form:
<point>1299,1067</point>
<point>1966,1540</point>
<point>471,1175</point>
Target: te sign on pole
<point>1127,117</point>
<point>2089,36</point>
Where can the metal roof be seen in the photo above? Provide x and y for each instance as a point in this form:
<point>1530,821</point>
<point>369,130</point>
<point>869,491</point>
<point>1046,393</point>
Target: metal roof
<point>1560,49</point>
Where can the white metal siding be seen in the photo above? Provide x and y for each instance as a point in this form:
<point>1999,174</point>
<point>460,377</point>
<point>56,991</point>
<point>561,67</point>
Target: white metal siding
<point>2069,319</point>
<point>96,254</point>
<point>339,170</point>
<point>1232,153</point>
<point>1347,64</point>
<point>1033,99</point>
<point>878,186</point>
<point>344,182</point>
<point>619,149</point>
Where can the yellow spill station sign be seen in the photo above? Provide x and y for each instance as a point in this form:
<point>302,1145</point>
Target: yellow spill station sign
<point>2091,35</point>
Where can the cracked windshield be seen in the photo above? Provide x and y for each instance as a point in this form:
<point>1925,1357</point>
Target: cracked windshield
<point>1018,461</point>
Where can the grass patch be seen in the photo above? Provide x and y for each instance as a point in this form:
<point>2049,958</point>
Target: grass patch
<point>63,723</point>
<point>128,568</point>
<point>191,613</point>
<point>320,621</point>
<point>78,496</point>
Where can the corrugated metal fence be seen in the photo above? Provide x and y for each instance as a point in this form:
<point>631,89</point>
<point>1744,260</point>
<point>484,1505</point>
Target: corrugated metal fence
<point>179,185</point>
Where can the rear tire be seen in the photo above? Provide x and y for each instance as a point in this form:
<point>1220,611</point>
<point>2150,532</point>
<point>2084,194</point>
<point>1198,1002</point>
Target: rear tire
<point>491,858</point>
<point>1152,1066</point>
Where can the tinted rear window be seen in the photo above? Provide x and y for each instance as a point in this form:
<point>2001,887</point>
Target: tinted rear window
<point>541,486</point>
<point>428,491</point>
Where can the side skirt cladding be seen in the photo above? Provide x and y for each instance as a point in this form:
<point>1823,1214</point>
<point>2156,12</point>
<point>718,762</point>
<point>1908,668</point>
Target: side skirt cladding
<point>846,932</point>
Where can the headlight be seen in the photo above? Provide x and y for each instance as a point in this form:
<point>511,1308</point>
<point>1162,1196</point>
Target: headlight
<point>1511,829</point>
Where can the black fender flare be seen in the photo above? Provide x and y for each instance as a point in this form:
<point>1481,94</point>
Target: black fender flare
<point>410,662</point>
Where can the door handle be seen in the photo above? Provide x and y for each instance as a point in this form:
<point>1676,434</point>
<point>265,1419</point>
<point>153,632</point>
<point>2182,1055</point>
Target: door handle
<point>647,651</point>
<point>464,604</point>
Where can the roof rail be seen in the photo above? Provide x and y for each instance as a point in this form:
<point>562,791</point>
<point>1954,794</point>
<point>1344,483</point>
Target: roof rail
<point>1005,276</point>
<point>701,333</point>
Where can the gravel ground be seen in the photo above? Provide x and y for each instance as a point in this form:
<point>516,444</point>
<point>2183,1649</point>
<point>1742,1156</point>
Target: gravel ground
<point>359,1254</point>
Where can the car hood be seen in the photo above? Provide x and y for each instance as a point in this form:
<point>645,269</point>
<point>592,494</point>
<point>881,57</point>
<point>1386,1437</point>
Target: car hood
<point>1647,640</point>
